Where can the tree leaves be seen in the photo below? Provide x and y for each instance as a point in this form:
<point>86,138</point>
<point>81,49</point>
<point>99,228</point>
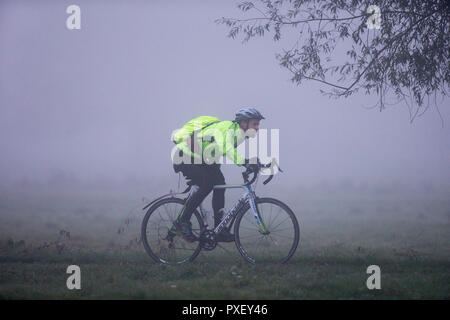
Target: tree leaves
<point>245,6</point>
<point>409,53</point>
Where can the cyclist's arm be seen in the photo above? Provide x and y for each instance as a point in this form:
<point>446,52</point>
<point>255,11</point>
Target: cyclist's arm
<point>225,144</point>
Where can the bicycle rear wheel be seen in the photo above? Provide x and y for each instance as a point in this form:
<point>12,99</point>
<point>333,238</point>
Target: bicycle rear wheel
<point>277,243</point>
<point>161,240</point>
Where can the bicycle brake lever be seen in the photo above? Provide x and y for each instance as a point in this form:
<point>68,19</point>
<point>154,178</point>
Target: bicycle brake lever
<point>245,176</point>
<point>268,179</point>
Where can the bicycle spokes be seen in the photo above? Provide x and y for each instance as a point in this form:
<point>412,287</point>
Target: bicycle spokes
<point>161,238</point>
<point>274,238</point>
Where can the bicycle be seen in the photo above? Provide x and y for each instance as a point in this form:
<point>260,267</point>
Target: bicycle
<point>260,235</point>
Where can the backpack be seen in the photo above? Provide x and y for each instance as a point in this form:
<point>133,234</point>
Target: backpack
<point>192,126</point>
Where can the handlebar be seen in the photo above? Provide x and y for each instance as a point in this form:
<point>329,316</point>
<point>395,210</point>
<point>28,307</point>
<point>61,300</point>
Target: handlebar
<point>247,173</point>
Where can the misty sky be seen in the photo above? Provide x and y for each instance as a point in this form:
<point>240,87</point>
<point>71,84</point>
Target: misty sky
<point>102,101</point>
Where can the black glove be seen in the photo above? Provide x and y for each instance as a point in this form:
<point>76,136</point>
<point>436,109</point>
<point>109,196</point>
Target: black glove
<point>252,167</point>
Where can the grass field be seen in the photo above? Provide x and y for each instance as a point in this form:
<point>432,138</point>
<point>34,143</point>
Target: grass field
<point>343,231</point>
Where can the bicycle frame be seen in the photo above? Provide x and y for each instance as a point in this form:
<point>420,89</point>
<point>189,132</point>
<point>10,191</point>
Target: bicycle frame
<point>248,196</point>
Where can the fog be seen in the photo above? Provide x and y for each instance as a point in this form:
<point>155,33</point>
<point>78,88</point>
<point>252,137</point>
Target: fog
<point>98,105</point>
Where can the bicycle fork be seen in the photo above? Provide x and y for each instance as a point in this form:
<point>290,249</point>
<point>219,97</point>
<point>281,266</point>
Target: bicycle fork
<point>258,217</point>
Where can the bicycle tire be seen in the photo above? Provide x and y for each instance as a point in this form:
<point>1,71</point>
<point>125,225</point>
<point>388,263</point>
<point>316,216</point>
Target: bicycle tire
<point>144,227</point>
<point>244,249</point>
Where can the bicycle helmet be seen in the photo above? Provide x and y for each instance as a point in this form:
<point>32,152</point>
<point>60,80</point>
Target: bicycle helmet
<point>248,113</point>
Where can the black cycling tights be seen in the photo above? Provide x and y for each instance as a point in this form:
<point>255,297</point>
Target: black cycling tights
<point>205,177</point>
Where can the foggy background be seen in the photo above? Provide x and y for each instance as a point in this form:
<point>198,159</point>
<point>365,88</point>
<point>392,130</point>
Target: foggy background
<point>86,118</point>
<point>96,106</point>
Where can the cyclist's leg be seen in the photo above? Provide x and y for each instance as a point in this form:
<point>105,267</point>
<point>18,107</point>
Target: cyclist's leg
<point>218,203</point>
<point>199,176</point>
<point>218,199</point>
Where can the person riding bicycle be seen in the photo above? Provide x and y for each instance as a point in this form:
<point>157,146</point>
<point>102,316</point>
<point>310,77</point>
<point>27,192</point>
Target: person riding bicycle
<point>223,136</point>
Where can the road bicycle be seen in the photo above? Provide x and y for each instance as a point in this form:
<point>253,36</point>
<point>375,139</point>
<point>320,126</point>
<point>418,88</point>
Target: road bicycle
<point>265,229</point>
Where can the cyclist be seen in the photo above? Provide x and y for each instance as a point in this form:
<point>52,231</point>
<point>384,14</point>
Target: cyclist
<point>223,136</point>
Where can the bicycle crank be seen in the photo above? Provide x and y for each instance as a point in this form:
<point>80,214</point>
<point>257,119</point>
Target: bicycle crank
<point>208,240</point>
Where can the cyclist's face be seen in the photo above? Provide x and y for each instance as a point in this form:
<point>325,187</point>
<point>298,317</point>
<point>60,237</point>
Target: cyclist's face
<point>251,124</point>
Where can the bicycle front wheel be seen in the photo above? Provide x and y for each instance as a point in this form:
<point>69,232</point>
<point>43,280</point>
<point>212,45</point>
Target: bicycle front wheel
<point>160,238</point>
<point>274,240</point>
